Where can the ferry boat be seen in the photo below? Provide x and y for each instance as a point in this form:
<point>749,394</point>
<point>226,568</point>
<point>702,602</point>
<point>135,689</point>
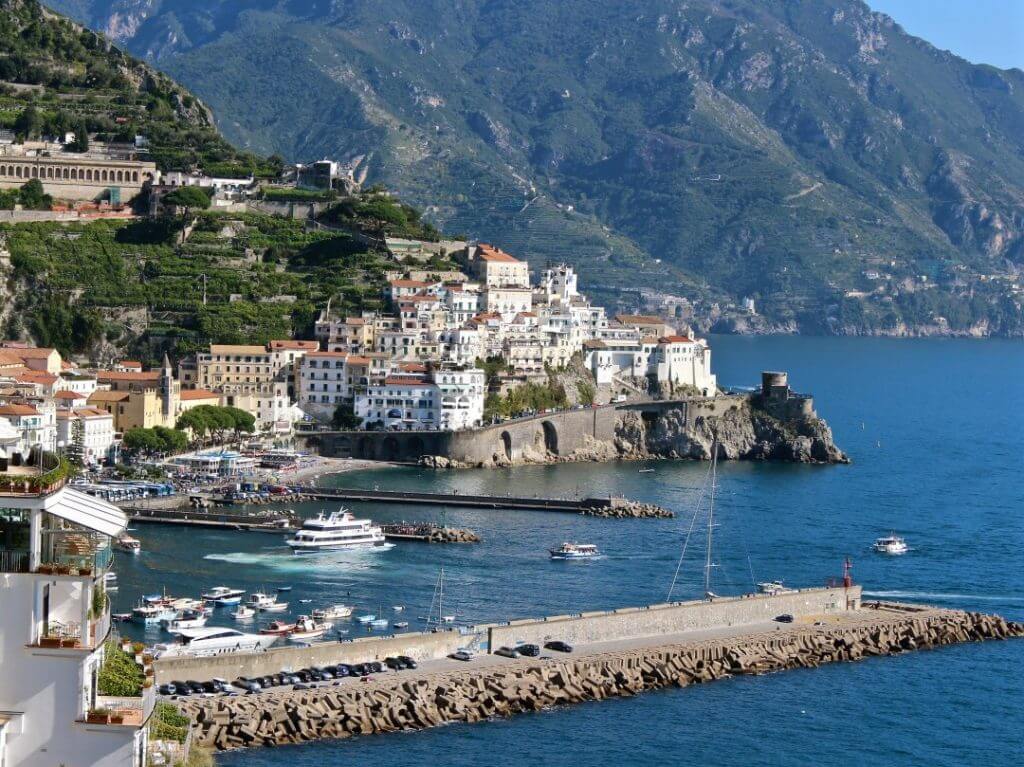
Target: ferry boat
<point>891,544</point>
<point>337,531</point>
<point>575,551</point>
<point>308,628</point>
<point>211,640</point>
<point>219,593</point>
<point>127,544</point>
<point>332,612</point>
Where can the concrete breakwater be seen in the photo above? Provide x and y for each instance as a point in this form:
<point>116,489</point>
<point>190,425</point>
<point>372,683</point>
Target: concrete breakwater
<point>427,533</point>
<point>395,702</point>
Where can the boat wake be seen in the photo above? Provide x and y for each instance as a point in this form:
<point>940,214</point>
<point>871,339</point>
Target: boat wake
<point>934,595</point>
<point>286,562</point>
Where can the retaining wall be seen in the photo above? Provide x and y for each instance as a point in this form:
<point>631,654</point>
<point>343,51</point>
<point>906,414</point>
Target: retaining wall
<point>420,646</point>
<point>663,619</point>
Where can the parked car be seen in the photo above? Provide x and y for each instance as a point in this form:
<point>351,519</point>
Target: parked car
<point>342,669</point>
<point>529,650</point>
<point>558,646</point>
<point>463,655</point>
<point>407,661</point>
<point>300,686</point>
<point>784,618</point>
<point>507,652</point>
<point>167,689</point>
<point>394,664</point>
<point>376,666</point>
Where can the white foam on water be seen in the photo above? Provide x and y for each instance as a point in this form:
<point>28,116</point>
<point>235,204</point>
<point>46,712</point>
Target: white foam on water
<point>930,595</point>
<point>324,563</point>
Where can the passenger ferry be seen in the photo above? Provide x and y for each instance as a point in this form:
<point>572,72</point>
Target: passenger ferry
<point>575,551</point>
<point>340,530</point>
<point>213,640</point>
<point>891,544</point>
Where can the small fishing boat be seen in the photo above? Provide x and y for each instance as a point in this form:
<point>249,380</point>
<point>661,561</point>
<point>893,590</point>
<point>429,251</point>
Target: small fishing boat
<point>305,601</point>
<point>284,588</point>
<point>364,619</point>
<point>187,619</point>
<point>152,614</point>
<point>645,471</point>
<point>278,628</point>
<point>333,612</point>
<point>121,617</point>
<point>575,551</point>
<point>228,601</point>
<point>306,628</point>
<point>772,588</point>
<point>448,619</point>
<point>398,608</point>
<point>273,607</point>
<point>243,613</point>
<point>258,598</point>
<point>401,625</point>
<point>891,544</point>
<point>379,623</point>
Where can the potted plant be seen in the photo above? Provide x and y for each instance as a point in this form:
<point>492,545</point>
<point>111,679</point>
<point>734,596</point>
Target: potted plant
<point>85,570</point>
<point>45,569</point>
<point>63,570</point>
<point>68,642</point>
<point>147,682</point>
<point>49,641</point>
<point>117,717</point>
<point>98,716</point>
<point>137,648</point>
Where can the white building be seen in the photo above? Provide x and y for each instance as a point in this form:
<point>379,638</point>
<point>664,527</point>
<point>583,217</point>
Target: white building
<point>37,424</point>
<point>55,548</point>
<point>446,399</point>
<point>97,432</point>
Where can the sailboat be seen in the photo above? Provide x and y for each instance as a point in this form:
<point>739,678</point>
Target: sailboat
<point>711,485</point>
<point>436,617</point>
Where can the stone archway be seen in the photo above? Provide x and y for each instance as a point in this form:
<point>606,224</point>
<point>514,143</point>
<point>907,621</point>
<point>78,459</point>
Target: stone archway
<point>391,450</point>
<point>415,448</point>
<point>550,437</point>
<point>364,448</point>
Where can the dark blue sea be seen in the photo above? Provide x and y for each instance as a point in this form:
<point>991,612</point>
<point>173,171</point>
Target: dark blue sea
<point>934,429</point>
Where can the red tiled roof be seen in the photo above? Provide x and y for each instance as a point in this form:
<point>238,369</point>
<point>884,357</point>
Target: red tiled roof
<point>65,394</point>
<point>638,319</point>
<point>491,253</point>
<point>674,340</point>
<point>134,364</point>
<point>408,284</point>
<point>193,394</point>
<point>404,381</point>
<point>32,353</point>
<point>290,344</point>
<point>16,409</point>
<point>115,375</point>
<point>105,395</point>
<point>37,377</point>
<point>330,355</point>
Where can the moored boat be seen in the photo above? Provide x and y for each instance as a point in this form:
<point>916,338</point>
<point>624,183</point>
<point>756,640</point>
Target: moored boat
<point>211,640</point>
<point>127,544</point>
<point>186,619</point>
<point>278,628</point>
<point>218,593</point>
<point>332,612</point>
<point>891,544</point>
<point>273,607</point>
<point>306,628</point>
<point>244,612</point>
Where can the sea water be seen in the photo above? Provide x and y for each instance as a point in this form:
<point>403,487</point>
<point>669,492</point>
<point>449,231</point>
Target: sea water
<point>933,428</point>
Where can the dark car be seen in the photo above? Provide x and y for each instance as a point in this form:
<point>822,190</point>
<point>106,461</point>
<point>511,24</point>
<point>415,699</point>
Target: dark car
<point>529,650</point>
<point>558,646</point>
<point>325,675</point>
<point>304,674</point>
<point>300,686</point>
<point>211,686</point>
<point>784,618</point>
<point>249,685</point>
<point>407,661</point>
<point>342,669</point>
<point>376,666</point>
<point>195,686</point>
<point>507,652</point>
<point>167,689</point>
<point>394,664</point>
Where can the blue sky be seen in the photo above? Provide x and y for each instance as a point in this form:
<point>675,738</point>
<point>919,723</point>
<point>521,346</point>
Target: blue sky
<point>982,31</point>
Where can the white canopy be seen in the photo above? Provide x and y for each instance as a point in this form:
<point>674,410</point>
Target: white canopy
<point>86,511</point>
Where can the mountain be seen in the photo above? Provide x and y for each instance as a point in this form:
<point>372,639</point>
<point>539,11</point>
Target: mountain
<point>849,177</point>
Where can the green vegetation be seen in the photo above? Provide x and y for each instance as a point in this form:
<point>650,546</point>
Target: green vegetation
<point>216,421</point>
<point>529,397</point>
<point>119,675</point>
<point>299,195</point>
<point>167,723</point>
<point>159,439</point>
<point>188,199</point>
<point>345,418</point>
<point>586,392</point>
<point>377,212</point>
<point>263,277</point>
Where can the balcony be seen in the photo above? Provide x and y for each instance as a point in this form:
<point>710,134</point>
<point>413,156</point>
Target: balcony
<point>47,476</point>
<point>68,635</point>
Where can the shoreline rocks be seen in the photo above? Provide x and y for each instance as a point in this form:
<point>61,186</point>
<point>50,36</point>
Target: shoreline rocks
<point>622,508</point>
<point>392,703</point>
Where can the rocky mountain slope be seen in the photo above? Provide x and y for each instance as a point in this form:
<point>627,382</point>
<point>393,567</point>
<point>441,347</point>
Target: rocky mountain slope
<point>848,176</point>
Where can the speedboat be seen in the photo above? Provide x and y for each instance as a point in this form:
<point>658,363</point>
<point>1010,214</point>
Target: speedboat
<point>575,551</point>
<point>284,588</point>
<point>332,612</point>
<point>364,619</point>
<point>891,544</point>
<point>127,544</point>
<point>307,628</point>
<point>186,603</point>
<point>188,619</point>
<point>379,623</point>
<point>273,607</point>
<point>645,471</point>
<point>218,593</point>
<point>401,625</point>
<point>337,531</point>
<point>771,588</point>
<point>212,640</point>
<point>243,612</point>
<point>257,599</point>
<point>228,601</point>
<point>279,628</point>
<point>152,614</point>
<point>398,608</point>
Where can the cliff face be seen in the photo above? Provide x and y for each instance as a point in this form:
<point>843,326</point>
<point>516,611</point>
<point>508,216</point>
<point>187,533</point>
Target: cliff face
<point>743,433</point>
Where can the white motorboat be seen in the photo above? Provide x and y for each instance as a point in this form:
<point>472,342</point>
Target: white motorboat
<point>152,614</point>
<point>185,620</point>
<point>127,544</point>
<point>398,608</point>
<point>186,603</point>
<point>379,623</point>
<point>110,580</point>
<point>364,619</point>
<point>332,613</point>
<point>273,607</point>
<point>228,601</point>
<point>244,612</point>
<point>575,551</point>
<point>401,624</point>
<point>891,544</point>
<point>772,588</point>
<point>211,640</point>
<point>258,599</point>
<point>308,628</point>
<point>218,593</point>
<point>337,531</point>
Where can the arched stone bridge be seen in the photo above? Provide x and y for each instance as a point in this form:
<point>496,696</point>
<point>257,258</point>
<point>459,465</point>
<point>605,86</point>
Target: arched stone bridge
<point>558,433</point>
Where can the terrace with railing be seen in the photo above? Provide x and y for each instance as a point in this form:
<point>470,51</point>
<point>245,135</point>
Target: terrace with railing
<point>44,474</point>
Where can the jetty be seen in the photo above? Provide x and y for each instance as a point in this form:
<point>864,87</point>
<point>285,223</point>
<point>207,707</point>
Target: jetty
<point>428,533</point>
<point>616,653</point>
<point>265,520</point>
<point>614,506</point>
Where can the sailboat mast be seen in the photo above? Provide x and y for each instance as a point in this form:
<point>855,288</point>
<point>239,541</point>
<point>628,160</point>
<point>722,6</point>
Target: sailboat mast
<point>711,518</point>
<point>440,597</point>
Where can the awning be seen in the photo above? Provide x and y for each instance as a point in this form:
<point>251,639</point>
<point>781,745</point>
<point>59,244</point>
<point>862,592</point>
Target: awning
<point>89,512</point>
